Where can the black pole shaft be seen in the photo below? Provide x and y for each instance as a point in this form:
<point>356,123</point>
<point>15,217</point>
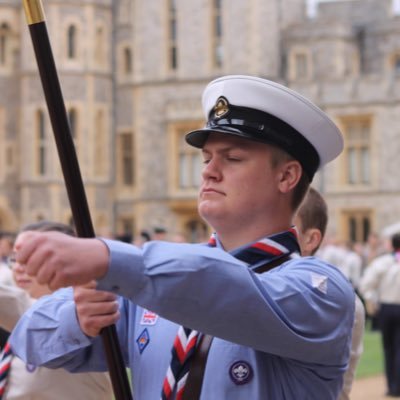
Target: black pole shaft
<point>74,185</point>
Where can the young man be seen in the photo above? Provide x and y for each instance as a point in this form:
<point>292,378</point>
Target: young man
<point>311,220</point>
<point>280,332</point>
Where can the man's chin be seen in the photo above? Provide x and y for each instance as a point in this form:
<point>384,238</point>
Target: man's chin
<point>209,212</point>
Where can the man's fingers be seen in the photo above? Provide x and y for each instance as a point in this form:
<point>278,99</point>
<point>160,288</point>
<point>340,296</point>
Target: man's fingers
<point>25,247</point>
<point>59,260</point>
<point>93,325</point>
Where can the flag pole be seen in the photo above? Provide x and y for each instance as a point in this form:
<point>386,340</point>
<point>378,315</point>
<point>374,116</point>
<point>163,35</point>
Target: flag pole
<point>71,172</point>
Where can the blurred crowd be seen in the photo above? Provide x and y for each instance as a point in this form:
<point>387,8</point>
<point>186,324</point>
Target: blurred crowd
<point>371,267</point>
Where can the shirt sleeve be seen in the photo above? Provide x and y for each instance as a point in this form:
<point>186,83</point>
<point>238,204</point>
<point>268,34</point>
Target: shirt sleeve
<point>303,309</point>
<point>51,325</point>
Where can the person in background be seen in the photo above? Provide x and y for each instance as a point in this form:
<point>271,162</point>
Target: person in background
<point>144,237</point>
<point>159,233</point>
<point>380,287</point>
<point>311,220</point>
<point>352,264</point>
<point>373,249</point>
<point>276,326</point>
<point>6,244</point>
<point>26,381</point>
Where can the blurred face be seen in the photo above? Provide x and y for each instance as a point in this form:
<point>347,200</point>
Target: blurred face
<point>26,282</point>
<point>5,247</point>
<point>238,181</point>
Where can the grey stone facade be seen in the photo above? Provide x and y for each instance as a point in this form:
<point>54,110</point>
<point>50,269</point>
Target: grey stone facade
<point>349,45</point>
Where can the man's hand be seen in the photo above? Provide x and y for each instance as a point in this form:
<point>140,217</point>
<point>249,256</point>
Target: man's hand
<point>60,260</point>
<point>95,309</point>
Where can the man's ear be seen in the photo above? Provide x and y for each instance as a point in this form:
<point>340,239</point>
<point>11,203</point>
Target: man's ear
<point>290,175</point>
<point>312,241</point>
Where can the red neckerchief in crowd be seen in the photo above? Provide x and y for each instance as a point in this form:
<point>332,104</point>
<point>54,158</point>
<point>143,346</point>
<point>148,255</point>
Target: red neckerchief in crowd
<point>5,364</point>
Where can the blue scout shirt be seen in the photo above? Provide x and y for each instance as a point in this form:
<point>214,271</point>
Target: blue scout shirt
<point>282,334</point>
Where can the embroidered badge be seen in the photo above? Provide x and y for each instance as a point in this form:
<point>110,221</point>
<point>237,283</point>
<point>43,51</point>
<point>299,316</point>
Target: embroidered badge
<point>143,340</point>
<point>319,282</point>
<point>30,367</point>
<point>148,318</point>
<point>240,372</point>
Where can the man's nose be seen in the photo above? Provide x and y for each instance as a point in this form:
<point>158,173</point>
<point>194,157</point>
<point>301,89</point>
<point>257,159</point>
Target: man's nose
<point>212,170</point>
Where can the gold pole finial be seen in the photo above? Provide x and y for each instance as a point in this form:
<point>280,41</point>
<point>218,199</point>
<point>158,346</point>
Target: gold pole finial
<point>33,11</point>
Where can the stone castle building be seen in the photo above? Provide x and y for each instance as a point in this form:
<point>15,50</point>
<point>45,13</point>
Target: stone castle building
<point>132,74</point>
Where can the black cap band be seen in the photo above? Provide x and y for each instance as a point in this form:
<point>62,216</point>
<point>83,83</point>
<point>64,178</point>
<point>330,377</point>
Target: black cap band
<point>261,127</point>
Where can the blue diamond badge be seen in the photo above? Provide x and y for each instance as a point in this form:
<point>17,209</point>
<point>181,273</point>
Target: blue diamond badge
<point>143,340</point>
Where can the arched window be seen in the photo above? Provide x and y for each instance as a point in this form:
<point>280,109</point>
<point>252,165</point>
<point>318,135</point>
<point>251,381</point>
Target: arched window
<point>41,138</point>
<point>71,42</point>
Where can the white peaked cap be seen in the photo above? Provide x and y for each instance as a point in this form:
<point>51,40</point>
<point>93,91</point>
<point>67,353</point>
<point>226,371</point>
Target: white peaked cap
<point>262,110</point>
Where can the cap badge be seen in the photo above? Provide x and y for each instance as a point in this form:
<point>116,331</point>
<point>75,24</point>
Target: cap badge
<point>221,107</point>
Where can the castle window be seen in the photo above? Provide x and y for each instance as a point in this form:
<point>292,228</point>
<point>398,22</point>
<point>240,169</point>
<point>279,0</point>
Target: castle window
<point>217,50</point>
<point>71,42</point>
<point>4,43</point>
<point>126,166</point>
<point>72,118</point>
<point>357,225</point>
<point>127,60</point>
<point>41,148</point>
<point>357,150</point>
<point>100,145</point>
<point>99,47</point>
<point>299,64</point>
<point>172,35</point>
<point>190,165</point>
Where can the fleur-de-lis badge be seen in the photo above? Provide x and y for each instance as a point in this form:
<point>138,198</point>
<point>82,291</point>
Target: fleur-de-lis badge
<point>221,107</point>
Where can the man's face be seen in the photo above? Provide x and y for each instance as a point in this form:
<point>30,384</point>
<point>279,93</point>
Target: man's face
<point>239,185</point>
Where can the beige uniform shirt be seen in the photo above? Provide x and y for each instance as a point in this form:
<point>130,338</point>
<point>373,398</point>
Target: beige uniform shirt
<point>6,277</point>
<point>28,383</point>
<point>356,349</point>
<point>381,282</point>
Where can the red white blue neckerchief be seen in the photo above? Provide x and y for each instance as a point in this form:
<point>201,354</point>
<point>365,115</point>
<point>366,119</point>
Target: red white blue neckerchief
<point>257,254</point>
<point>267,250</point>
